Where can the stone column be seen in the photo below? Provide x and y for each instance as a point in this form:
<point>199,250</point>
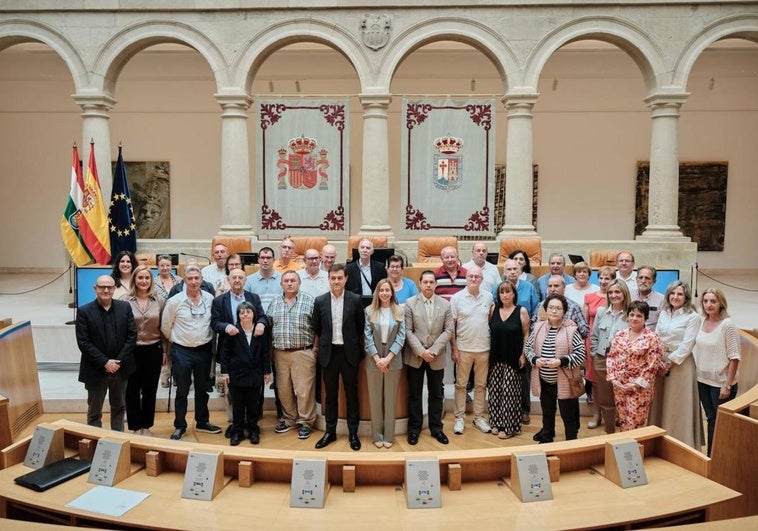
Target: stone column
<point>519,174</point>
<point>375,174</point>
<point>95,126</point>
<point>663,190</point>
<point>235,164</point>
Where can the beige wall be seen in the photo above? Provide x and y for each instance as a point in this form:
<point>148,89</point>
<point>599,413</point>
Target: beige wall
<point>588,135</point>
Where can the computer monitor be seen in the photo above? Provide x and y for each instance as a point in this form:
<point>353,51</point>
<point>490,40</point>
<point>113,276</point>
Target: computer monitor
<point>576,258</point>
<point>248,258</point>
<point>492,258</point>
<point>381,254</point>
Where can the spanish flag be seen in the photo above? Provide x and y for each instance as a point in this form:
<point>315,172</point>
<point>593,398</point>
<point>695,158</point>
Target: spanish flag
<point>94,220</point>
<point>72,215</point>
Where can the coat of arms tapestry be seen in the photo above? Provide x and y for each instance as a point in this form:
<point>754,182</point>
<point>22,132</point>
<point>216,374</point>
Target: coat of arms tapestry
<point>448,166</point>
<point>302,167</point>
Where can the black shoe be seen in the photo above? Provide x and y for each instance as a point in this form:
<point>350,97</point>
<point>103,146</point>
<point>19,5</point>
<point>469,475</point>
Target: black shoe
<point>178,434</point>
<point>228,432</point>
<point>538,436</point>
<point>326,440</point>
<point>207,427</point>
<point>235,439</point>
<point>255,437</point>
<point>355,442</point>
<point>441,437</point>
<point>413,438</point>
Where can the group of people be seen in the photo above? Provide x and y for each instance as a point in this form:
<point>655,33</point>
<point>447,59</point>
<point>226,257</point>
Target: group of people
<point>641,356</point>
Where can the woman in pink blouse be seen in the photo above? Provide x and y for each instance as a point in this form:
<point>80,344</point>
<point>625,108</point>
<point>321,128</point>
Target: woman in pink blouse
<point>634,361</point>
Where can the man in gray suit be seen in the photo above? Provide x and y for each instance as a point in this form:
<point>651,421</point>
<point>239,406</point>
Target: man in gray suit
<point>428,329</point>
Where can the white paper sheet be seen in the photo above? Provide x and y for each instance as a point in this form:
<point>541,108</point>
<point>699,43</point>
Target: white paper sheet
<point>108,500</point>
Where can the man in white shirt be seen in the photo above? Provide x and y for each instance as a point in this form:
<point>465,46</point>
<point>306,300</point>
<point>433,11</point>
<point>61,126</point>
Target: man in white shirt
<point>625,270</point>
<point>471,347</point>
<point>186,321</point>
<point>313,280</point>
<point>490,274</point>
<point>215,273</point>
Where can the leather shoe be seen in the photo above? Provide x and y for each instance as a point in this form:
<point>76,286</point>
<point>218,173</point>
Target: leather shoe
<point>441,437</point>
<point>355,442</point>
<point>228,432</point>
<point>538,436</point>
<point>413,438</point>
<point>255,437</point>
<point>235,439</point>
<point>326,440</point>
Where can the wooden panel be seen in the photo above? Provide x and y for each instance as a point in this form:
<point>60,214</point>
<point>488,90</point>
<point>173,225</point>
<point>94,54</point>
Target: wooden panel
<point>734,459</point>
<point>18,377</point>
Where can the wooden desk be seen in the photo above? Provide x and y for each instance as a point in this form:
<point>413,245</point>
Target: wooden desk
<point>582,498</point>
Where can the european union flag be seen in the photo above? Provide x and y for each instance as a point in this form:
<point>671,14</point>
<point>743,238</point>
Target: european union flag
<point>122,227</point>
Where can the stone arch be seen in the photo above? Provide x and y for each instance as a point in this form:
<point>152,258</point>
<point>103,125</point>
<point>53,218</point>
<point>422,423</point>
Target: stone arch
<point>481,37</point>
<point>619,32</point>
<point>19,31</point>
<point>274,37</point>
<point>736,26</point>
<point>120,48</point>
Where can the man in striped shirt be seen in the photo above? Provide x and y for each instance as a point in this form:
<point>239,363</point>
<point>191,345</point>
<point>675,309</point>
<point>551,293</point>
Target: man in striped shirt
<point>451,277</point>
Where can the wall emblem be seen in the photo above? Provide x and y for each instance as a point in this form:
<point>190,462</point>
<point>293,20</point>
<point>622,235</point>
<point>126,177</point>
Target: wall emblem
<point>375,30</point>
<point>448,164</point>
<point>305,168</point>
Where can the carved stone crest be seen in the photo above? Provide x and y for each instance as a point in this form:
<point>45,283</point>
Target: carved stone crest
<point>375,30</point>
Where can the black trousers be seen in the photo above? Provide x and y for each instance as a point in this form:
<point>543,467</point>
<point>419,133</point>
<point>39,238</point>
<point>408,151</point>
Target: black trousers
<point>435,401</point>
<point>190,363</point>
<point>245,409</point>
<point>339,366</point>
<point>142,387</point>
<point>569,408</point>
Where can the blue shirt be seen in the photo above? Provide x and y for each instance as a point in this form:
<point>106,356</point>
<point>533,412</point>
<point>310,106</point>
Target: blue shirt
<point>266,288</point>
<point>408,290</point>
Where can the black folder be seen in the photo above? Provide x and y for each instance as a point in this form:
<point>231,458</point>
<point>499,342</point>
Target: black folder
<point>53,474</point>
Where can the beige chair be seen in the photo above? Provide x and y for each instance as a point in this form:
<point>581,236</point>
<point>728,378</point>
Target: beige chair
<point>234,244</point>
<point>532,246</point>
<point>430,247</point>
<point>303,243</point>
<point>355,240</point>
<point>605,257</point>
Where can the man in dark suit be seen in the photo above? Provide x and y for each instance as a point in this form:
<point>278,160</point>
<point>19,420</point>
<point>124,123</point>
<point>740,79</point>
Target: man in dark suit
<point>364,274</point>
<point>428,329</point>
<point>338,321</point>
<point>224,322</point>
<point>106,336</point>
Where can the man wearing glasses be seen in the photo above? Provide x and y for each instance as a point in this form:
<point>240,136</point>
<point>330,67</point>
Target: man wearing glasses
<point>313,280</point>
<point>187,323</point>
<point>286,254</point>
<point>106,336</point>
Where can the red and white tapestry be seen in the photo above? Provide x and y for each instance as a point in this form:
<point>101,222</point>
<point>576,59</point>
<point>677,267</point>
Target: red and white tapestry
<point>302,167</point>
<point>448,166</point>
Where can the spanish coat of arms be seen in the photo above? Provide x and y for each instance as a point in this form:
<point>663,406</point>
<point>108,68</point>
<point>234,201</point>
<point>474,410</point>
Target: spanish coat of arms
<point>305,169</point>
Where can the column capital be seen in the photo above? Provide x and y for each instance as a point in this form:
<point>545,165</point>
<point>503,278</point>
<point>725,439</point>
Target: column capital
<point>666,103</point>
<point>375,100</point>
<point>519,103</point>
<point>234,102</point>
<point>94,103</point>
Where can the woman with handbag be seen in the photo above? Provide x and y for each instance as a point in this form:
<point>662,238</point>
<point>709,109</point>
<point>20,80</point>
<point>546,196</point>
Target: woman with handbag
<point>556,349</point>
<point>632,364</point>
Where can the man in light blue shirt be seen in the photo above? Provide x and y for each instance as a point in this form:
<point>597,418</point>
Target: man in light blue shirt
<point>266,282</point>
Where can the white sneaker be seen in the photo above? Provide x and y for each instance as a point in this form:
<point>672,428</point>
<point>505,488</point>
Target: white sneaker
<point>458,427</point>
<point>482,425</point>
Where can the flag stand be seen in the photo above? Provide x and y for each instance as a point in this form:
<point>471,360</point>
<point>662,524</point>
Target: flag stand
<point>72,270</point>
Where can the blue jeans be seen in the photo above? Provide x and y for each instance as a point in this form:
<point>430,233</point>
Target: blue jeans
<point>709,397</point>
<point>188,364</point>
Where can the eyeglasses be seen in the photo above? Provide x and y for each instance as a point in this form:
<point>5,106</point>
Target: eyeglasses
<point>105,288</point>
<point>395,267</point>
<point>199,310</point>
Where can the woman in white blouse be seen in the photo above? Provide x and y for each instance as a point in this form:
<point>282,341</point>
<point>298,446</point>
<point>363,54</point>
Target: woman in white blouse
<point>717,356</point>
<point>677,327</point>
